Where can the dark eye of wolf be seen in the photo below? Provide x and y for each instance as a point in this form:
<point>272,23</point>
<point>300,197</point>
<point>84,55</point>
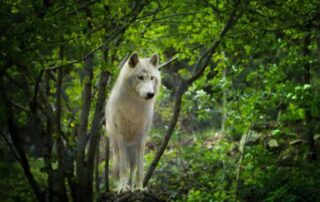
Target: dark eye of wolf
<point>151,77</point>
<point>140,77</point>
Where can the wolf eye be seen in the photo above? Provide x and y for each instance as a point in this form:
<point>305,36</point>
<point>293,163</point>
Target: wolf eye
<point>151,77</point>
<point>140,77</point>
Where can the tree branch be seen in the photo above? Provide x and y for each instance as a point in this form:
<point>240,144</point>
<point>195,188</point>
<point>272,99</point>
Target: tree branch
<point>168,62</point>
<point>11,147</point>
<point>36,89</point>
<point>121,30</point>
<point>177,107</point>
<point>205,57</point>
<point>184,84</point>
<point>175,14</point>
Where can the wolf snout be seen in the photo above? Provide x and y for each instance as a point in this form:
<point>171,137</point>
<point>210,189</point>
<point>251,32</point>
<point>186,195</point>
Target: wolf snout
<point>149,96</point>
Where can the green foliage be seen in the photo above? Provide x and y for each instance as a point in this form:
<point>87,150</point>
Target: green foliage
<point>254,94</point>
<point>14,186</point>
<point>206,170</point>
<point>263,180</point>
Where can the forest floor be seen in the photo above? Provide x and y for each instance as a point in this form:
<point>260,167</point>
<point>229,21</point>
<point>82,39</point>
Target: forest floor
<point>138,196</point>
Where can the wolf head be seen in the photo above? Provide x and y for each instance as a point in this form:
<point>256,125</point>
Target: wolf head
<point>143,75</point>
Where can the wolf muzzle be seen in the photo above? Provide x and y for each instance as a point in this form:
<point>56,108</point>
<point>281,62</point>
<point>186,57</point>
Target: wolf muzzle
<point>149,96</point>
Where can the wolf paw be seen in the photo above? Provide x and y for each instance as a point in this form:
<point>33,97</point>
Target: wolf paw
<point>140,189</point>
<point>123,188</point>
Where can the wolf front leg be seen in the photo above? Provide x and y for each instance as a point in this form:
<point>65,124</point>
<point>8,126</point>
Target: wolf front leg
<point>132,155</point>
<point>123,167</point>
<point>140,162</point>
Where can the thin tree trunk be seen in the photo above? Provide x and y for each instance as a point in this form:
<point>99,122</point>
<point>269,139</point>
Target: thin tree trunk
<point>224,100</point>
<point>165,141</point>
<point>40,195</point>
<point>97,161</point>
<point>95,126</point>
<point>198,70</point>
<point>60,186</point>
<point>106,168</point>
<point>312,156</point>
<point>71,178</point>
<point>82,186</point>
<point>48,144</point>
<point>84,189</point>
<point>242,149</point>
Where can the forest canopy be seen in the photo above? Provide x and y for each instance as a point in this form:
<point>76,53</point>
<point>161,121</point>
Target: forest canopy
<point>237,118</point>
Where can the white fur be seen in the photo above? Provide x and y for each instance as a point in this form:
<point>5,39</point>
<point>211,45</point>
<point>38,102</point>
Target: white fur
<point>129,116</point>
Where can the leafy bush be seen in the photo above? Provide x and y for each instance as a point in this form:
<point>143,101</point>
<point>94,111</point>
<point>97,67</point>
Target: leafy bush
<point>206,170</point>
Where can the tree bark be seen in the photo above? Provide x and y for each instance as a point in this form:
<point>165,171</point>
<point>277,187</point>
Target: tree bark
<point>106,168</point>
<point>82,187</point>
<point>312,155</point>
<point>242,149</point>
<point>60,186</point>
<point>97,161</point>
<point>48,144</point>
<point>95,126</point>
<point>224,101</point>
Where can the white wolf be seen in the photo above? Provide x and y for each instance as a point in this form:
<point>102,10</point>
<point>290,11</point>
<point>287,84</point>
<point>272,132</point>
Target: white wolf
<point>129,113</point>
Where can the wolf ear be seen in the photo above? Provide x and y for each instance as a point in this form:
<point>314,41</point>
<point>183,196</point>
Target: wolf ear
<point>133,59</point>
<point>154,59</point>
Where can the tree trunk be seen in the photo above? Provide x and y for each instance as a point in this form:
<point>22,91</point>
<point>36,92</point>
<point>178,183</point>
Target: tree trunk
<point>312,155</point>
<point>60,186</point>
<point>224,101</point>
<point>48,145</point>
<point>97,161</point>
<point>81,167</point>
<point>242,149</point>
<point>165,141</point>
<point>106,168</point>
<point>40,195</point>
<point>94,132</point>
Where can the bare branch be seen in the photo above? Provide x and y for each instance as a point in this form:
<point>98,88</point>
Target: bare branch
<point>19,106</point>
<point>205,57</point>
<point>121,30</point>
<point>39,80</point>
<point>124,60</point>
<point>11,147</point>
<point>168,62</point>
<point>174,15</point>
<point>61,65</point>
